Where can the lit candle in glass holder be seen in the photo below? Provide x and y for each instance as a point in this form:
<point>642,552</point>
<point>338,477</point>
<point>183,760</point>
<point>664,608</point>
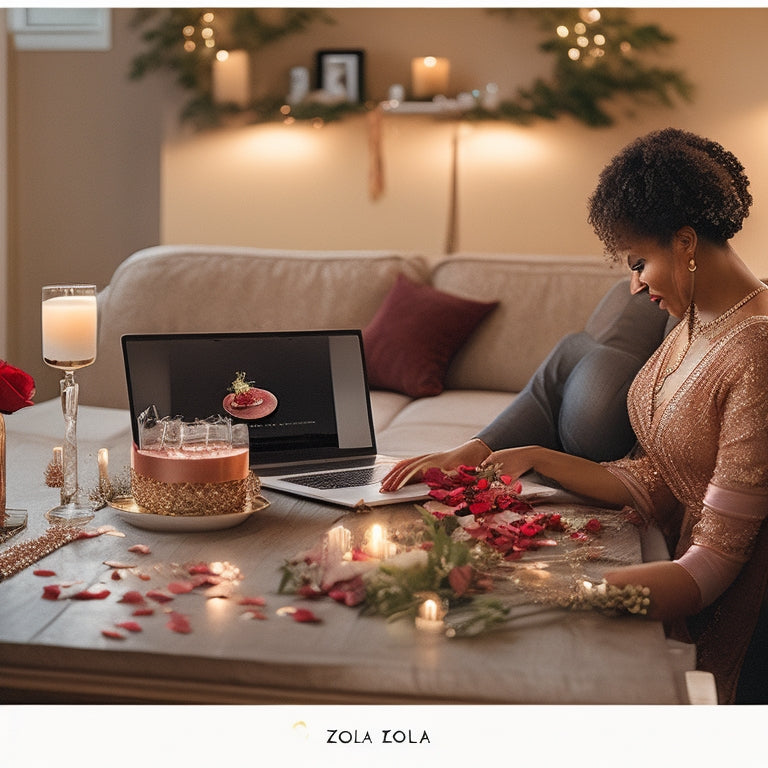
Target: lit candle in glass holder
<point>430,616</point>
<point>378,545</point>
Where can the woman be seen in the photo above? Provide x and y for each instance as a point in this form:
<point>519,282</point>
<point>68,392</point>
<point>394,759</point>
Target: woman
<point>668,205</point>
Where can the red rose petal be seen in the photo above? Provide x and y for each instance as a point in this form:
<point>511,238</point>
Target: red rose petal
<point>143,612</point>
<point>180,587</point>
<point>178,622</point>
<point>142,548</point>
<point>87,594</point>
<point>51,592</point>
<point>113,634</point>
<point>304,616</point>
<point>43,572</point>
<point>132,597</point>
<point>252,601</point>
<point>158,596</point>
<point>131,626</point>
<point>199,568</point>
<point>116,576</point>
<point>255,614</point>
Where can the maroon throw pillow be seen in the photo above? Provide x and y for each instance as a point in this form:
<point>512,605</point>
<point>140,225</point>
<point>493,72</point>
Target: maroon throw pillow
<point>414,335</point>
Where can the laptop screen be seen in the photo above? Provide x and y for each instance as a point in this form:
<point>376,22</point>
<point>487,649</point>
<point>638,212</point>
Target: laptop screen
<point>303,395</point>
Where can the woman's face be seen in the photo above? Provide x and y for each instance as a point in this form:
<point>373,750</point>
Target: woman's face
<point>662,271</point>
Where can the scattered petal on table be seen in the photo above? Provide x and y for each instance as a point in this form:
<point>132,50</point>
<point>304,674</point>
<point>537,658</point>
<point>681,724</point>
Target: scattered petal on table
<point>119,564</point>
<point>87,594</point>
<point>143,612</point>
<point>44,572</point>
<point>178,622</point>
<point>131,626</point>
<point>158,596</point>
<point>141,548</point>
<point>253,614</point>
<point>305,616</point>
<point>252,601</point>
<point>132,597</point>
<point>113,634</point>
<point>51,592</point>
<point>180,587</point>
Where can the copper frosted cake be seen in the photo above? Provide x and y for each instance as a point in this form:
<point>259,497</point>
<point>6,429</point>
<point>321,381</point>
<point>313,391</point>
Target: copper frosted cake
<point>180,470</point>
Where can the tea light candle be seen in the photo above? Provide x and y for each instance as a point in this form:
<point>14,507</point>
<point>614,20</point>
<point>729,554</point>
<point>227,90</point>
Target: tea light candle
<point>230,78</point>
<point>69,330</point>
<point>428,619</point>
<point>429,77</point>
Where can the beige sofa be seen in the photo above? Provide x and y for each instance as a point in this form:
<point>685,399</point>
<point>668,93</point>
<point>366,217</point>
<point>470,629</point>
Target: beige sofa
<point>206,288</point>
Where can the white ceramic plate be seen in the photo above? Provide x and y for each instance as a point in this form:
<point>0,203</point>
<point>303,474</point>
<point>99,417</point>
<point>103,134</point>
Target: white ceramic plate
<point>132,513</point>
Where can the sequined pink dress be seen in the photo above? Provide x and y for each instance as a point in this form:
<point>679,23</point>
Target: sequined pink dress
<point>700,472</point>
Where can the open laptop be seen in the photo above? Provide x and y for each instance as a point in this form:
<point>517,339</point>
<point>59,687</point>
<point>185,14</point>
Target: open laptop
<point>303,395</point>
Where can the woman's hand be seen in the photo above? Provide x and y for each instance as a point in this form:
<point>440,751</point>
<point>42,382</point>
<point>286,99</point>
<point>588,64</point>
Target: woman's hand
<point>412,470</point>
<point>514,462</point>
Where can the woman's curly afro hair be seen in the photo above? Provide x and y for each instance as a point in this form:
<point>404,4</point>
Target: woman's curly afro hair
<point>666,180</point>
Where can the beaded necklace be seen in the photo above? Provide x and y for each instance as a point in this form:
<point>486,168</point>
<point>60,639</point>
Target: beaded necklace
<point>696,329</point>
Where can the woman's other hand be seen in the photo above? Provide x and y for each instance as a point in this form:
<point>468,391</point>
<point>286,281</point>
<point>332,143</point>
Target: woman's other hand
<point>412,470</point>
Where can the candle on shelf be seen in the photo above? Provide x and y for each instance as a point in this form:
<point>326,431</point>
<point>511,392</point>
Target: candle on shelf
<point>429,618</point>
<point>231,83</point>
<point>429,77</point>
<point>338,544</point>
<point>69,331</point>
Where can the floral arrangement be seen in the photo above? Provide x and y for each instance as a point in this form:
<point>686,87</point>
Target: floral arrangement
<point>17,388</point>
<point>470,533</point>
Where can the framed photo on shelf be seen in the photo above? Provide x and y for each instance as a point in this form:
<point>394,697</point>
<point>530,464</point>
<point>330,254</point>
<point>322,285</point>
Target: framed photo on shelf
<point>340,73</point>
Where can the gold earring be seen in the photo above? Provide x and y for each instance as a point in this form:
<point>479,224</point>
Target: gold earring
<point>692,265</point>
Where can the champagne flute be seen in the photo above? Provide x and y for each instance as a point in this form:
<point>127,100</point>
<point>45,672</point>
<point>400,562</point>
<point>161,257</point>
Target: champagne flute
<point>69,322</point>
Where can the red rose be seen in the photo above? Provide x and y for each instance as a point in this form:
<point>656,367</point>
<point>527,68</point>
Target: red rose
<point>593,525</point>
<point>17,388</point>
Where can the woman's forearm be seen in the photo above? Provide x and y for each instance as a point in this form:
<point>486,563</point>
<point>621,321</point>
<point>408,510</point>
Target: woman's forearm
<point>674,593</point>
<point>580,476</point>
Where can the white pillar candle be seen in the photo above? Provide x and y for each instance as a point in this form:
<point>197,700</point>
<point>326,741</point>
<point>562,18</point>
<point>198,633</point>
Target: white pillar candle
<point>429,77</point>
<point>231,82</point>
<point>339,543</point>
<point>69,330</point>
<point>103,460</point>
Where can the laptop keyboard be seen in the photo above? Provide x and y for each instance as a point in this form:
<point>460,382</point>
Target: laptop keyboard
<point>343,478</point>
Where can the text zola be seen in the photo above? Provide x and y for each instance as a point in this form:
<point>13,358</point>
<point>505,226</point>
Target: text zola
<point>387,737</point>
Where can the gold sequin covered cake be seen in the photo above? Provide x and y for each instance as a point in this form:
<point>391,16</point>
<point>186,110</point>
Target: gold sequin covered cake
<point>215,480</point>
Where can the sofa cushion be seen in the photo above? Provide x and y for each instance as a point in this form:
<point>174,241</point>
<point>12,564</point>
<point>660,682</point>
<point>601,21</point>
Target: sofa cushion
<point>414,335</point>
<point>543,298</point>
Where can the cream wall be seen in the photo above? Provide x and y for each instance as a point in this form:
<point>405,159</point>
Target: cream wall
<point>98,166</point>
<point>519,188</point>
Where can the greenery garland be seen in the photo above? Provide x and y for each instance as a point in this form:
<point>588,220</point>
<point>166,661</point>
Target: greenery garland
<point>598,57</point>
